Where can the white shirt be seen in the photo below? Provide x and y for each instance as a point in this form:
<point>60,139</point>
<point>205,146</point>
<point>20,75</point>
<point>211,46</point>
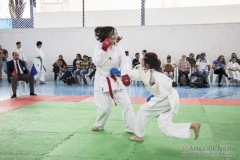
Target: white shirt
<point>21,72</point>
<point>20,53</point>
<point>233,65</point>
<point>202,64</point>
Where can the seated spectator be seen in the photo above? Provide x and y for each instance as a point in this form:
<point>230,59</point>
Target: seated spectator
<point>18,71</point>
<point>77,61</point>
<point>59,66</point>
<point>234,69</point>
<point>82,69</point>
<point>219,68</point>
<point>234,55</point>
<point>183,69</point>
<point>91,64</point>
<point>168,67</point>
<point>3,61</point>
<point>192,62</point>
<point>203,66</point>
<point>197,58</point>
<point>136,60</point>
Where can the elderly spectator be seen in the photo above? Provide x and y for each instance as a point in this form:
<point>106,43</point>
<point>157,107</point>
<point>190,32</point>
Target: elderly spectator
<point>203,66</point>
<point>219,68</point>
<point>168,67</point>
<point>183,67</point>
<point>59,66</point>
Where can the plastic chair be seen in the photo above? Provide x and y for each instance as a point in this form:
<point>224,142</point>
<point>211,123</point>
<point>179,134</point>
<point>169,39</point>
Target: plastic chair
<point>20,88</point>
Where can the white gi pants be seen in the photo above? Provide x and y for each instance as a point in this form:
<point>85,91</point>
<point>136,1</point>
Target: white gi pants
<point>40,75</point>
<point>235,75</point>
<point>164,119</point>
<point>104,105</point>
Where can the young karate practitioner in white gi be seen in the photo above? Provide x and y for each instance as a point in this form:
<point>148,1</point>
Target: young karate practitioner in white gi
<point>163,104</point>
<point>39,63</point>
<point>107,55</point>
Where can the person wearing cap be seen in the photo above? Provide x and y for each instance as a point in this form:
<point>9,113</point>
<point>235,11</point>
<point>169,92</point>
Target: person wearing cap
<point>168,67</point>
<point>203,66</point>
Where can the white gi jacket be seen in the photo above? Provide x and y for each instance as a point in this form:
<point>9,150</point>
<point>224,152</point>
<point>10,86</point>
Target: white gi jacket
<point>105,61</point>
<point>159,85</point>
<point>39,65</point>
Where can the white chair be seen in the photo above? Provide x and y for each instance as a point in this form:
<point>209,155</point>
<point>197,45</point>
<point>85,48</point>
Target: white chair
<point>215,76</point>
<point>21,85</point>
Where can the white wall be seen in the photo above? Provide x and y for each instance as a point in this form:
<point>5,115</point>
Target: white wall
<point>175,40</point>
<point>162,16</point>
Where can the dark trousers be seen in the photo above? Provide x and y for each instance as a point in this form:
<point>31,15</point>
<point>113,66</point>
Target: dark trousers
<point>56,71</point>
<point>220,73</point>
<point>185,73</point>
<point>23,77</point>
<point>92,73</point>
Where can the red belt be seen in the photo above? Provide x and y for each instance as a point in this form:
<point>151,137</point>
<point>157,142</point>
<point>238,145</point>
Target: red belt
<point>110,90</point>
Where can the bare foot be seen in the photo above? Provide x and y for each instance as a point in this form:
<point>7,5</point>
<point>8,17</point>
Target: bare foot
<point>136,138</point>
<point>94,128</point>
<point>196,127</point>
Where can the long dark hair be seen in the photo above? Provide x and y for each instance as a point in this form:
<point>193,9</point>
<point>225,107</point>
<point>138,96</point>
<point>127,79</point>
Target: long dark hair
<point>153,61</point>
<point>102,33</point>
<point>221,56</point>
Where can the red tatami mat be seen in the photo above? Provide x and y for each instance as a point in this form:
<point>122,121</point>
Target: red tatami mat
<point>11,104</point>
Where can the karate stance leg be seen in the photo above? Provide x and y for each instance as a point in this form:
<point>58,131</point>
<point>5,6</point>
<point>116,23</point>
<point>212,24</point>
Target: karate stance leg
<point>122,98</point>
<point>103,103</point>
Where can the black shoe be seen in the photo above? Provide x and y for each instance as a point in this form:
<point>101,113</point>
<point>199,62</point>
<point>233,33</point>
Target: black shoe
<point>32,94</point>
<point>14,96</point>
<point>229,78</point>
<point>219,85</point>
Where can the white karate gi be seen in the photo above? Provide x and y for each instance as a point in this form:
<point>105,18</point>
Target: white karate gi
<point>234,74</point>
<point>20,54</point>
<point>163,105</point>
<point>104,61</point>
<point>39,65</point>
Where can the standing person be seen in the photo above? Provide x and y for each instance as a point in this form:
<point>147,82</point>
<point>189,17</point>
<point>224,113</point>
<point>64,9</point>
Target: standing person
<point>3,61</point>
<point>142,55</point>
<point>219,67</point>
<point>109,54</point>
<point>20,52</point>
<point>135,61</point>
<point>163,104</point>
<point>39,63</point>
<point>21,74</point>
<point>129,59</point>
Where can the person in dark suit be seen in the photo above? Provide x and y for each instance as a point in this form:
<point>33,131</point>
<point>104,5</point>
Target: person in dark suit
<point>21,74</point>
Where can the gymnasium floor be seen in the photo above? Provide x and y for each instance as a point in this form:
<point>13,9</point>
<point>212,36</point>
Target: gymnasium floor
<point>57,123</point>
